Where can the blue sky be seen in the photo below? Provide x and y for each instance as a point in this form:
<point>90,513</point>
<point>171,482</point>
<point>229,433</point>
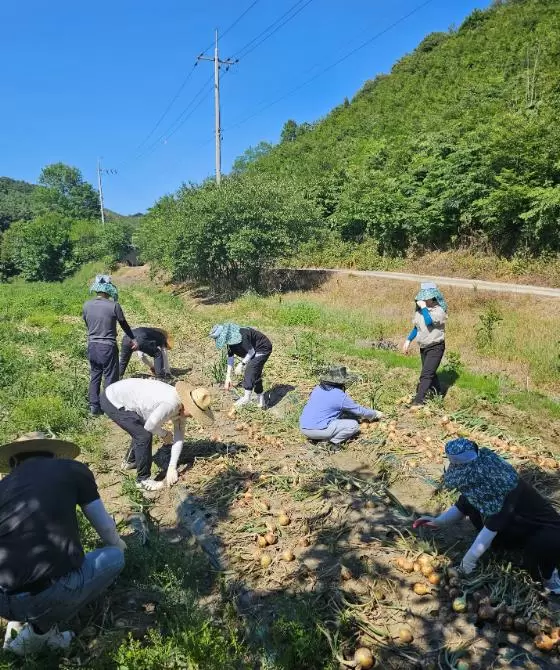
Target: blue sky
<point>87,79</point>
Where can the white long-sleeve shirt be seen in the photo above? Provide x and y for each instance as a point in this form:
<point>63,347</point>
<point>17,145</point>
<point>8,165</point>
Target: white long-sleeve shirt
<point>157,403</point>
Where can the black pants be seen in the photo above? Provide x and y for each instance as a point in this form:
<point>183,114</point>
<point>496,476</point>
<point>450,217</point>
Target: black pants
<point>252,379</point>
<point>103,362</point>
<point>141,444</point>
<point>148,347</point>
<point>540,548</point>
<point>431,358</point>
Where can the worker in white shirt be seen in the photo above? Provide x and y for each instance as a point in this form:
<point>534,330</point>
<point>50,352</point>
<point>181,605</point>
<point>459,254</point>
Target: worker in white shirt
<point>141,407</point>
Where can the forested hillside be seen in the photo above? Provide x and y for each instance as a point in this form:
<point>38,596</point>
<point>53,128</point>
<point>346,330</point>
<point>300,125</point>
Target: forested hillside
<point>456,146</point>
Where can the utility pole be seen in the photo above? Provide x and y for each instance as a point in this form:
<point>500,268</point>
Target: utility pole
<point>218,130</point>
<point>100,189</point>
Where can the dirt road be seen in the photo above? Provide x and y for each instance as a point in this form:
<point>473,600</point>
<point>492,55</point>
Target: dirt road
<point>474,284</point>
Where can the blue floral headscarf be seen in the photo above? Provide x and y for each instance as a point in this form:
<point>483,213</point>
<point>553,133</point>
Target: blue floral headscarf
<point>104,284</point>
<point>429,291</point>
<point>482,476</point>
<point>226,334</point>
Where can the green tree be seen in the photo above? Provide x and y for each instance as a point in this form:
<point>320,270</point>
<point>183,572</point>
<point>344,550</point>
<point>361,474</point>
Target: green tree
<point>62,189</point>
<point>39,249</point>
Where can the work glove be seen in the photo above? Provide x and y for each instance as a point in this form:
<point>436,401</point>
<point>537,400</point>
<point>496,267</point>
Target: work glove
<point>121,545</point>
<point>421,303</point>
<point>468,564</point>
<point>406,347</point>
<point>172,476</point>
<point>239,368</point>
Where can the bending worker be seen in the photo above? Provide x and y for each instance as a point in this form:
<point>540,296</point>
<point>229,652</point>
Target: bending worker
<point>505,509</point>
<point>253,348</point>
<point>141,407</point>
<point>330,413</point>
<point>101,315</point>
<point>153,342</point>
<point>45,579</point>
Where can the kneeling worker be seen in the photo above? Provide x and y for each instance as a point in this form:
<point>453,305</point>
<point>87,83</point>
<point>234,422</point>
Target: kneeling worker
<point>330,413</point>
<point>141,407</point>
<point>45,578</point>
<point>153,342</point>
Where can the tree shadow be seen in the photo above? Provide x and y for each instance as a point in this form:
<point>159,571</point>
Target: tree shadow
<point>193,449</point>
<point>343,578</point>
<point>447,379</point>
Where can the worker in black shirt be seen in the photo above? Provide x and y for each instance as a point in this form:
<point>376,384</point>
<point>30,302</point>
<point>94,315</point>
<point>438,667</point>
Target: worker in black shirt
<point>101,315</point>
<point>45,578</point>
<point>253,348</point>
<point>503,507</point>
<point>153,342</point>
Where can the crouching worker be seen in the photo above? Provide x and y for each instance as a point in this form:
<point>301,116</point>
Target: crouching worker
<point>153,342</point>
<point>141,407</point>
<point>45,579</point>
<point>506,510</point>
<point>253,348</point>
<point>330,414</point>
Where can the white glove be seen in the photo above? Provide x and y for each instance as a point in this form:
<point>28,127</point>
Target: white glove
<point>172,476</point>
<point>406,346</point>
<point>239,368</point>
<point>421,303</point>
<point>468,564</point>
<point>121,545</point>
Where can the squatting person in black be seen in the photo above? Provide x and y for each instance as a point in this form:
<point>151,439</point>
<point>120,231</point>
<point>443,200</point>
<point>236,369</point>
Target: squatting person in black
<point>253,348</point>
<point>154,342</point>
<point>506,510</point>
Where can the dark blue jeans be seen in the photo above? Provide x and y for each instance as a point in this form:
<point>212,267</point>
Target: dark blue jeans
<point>103,362</point>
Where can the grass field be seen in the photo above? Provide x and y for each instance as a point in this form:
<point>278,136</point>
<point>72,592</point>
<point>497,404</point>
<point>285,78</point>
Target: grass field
<point>173,608</point>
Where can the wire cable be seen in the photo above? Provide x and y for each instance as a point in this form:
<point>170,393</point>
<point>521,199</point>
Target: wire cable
<point>332,65</point>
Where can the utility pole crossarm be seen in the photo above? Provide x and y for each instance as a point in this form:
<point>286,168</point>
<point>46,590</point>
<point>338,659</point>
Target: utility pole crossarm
<point>217,62</point>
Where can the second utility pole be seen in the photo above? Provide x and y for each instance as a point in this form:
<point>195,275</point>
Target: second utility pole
<point>218,130</point>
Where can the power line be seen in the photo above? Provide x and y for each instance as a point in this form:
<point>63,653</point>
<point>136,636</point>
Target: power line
<point>272,27</point>
<point>230,27</point>
<point>332,65</point>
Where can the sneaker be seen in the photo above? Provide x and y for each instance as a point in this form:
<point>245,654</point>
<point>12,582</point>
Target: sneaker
<point>553,584</point>
<point>149,485</point>
<point>12,629</point>
<point>30,642</point>
<point>242,401</point>
<point>128,465</point>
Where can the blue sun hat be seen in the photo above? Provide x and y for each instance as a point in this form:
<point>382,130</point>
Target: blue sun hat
<point>482,476</point>
<point>428,291</point>
<point>226,334</point>
<point>104,284</point>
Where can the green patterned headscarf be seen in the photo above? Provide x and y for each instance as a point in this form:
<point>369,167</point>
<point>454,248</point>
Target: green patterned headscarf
<point>225,334</point>
<point>104,284</point>
<point>482,476</point>
<point>429,291</point>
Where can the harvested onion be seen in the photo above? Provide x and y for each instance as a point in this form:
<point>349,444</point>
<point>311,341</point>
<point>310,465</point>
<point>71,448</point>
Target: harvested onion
<point>533,627</point>
<point>288,555</point>
<point>345,572</point>
<point>434,578</point>
<point>261,541</point>
<point>405,636</point>
<point>266,560</point>
<point>364,658</point>
<point>427,570</point>
<point>408,566</point>
<point>487,613</point>
<point>420,589</point>
<point>271,538</point>
<point>520,624</point>
<point>544,642</point>
<point>416,566</point>
<point>284,520</point>
<point>460,604</point>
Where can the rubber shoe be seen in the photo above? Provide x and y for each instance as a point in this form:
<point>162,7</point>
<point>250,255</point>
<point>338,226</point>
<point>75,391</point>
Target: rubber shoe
<point>30,642</point>
<point>128,465</point>
<point>149,485</point>
<point>553,584</point>
<point>12,629</point>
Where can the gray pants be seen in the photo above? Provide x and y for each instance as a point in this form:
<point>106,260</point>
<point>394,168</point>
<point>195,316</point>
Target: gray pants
<point>67,595</point>
<point>338,431</point>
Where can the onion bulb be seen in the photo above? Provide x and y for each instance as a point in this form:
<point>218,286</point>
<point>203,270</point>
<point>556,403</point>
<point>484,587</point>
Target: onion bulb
<point>345,572</point>
<point>427,570</point>
<point>555,634</point>
<point>364,658</point>
<point>266,560</point>
<point>487,613</point>
<point>416,566</point>
<point>248,494</point>
<point>420,589</point>
<point>408,566</point>
<point>405,636</point>
<point>424,559</point>
<point>288,555</point>
<point>504,621</point>
<point>462,665</point>
<point>304,542</point>
<point>520,624</point>
<point>434,578</point>
<point>271,538</point>
<point>460,604</point>
<point>453,573</point>
<point>533,627</point>
<point>261,541</point>
<point>544,642</point>
<point>284,520</point>
<point>400,562</point>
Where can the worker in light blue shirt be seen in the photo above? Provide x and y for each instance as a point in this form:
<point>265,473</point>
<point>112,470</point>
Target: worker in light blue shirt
<point>329,413</point>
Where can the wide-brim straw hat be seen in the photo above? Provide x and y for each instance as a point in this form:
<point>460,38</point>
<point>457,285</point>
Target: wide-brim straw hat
<point>36,442</point>
<point>197,402</point>
<point>337,374</point>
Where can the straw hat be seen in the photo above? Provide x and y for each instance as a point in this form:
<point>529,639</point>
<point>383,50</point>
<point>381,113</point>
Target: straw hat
<point>197,402</point>
<point>36,442</point>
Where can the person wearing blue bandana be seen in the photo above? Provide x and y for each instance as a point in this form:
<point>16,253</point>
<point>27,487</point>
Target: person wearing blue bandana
<point>253,348</point>
<point>101,315</point>
<point>429,330</point>
<point>505,509</point>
